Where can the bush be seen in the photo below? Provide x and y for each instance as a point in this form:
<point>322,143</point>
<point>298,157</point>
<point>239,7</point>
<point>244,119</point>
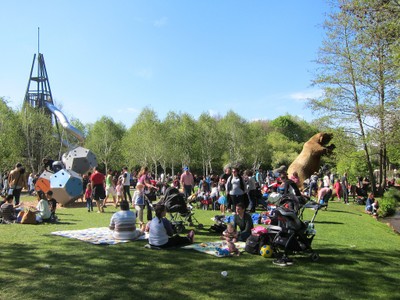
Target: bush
<point>388,203</point>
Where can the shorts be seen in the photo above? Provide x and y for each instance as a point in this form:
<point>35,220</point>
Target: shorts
<point>110,191</point>
<point>98,192</point>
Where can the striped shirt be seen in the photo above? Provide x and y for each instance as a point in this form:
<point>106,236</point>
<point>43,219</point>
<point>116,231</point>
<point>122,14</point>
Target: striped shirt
<point>124,225</point>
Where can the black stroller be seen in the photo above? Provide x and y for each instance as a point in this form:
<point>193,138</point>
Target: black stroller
<point>181,215</point>
<point>288,234</point>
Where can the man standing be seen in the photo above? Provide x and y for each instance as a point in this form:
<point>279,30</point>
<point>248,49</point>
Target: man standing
<point>16,182</point>
<point>98,191</point>
<point>345,188</point>
<point>127,184</point>
<point>187,182</point>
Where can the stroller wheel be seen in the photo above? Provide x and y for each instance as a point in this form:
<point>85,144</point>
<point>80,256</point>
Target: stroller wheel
<point>180,228</point>
<point>314,256</point>
<point>200,226</point>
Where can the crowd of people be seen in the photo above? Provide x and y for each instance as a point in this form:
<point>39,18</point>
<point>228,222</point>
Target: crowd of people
<point>235,191</point>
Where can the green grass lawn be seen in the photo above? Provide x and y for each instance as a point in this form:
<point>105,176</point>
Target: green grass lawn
<point>359,259</point>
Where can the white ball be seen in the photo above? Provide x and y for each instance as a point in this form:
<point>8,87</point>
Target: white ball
<point>224,273</point>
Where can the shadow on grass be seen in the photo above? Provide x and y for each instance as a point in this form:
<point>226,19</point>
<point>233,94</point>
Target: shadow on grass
<point>73,269</point>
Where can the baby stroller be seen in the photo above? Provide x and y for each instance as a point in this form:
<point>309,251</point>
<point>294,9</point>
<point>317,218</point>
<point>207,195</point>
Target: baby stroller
<point>292,202</point>
<point>288,234</point>
<point>180,214</point>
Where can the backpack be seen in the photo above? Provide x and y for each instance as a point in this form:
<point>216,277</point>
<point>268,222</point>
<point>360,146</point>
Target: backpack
<point>255,241</point>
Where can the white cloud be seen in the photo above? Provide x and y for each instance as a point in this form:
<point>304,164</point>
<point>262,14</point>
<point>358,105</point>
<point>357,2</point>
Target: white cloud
<point>161,22</point>
<point>304,95</point>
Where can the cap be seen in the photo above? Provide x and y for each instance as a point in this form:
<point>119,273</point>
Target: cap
<point>186,168</point>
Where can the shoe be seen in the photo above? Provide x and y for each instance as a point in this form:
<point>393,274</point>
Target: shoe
<point>280,262</point>
<point>88,210</point>
<point>191,236</point>
<point>288,261</point>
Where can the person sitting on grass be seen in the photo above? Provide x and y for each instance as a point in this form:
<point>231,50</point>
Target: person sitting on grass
<point>161,233</point>
<point>375,208</point>
<point>369,202</point>
<point>8,210</point>
<point>123,224</point>
<point>244,221</point>
<point>52,204</point>
<point>42,211</point>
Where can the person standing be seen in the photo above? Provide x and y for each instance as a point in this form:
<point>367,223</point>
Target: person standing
<point>187,182</point>
<point>110,188</point>
<point>144,179</point>
<point>345,188</point>
<point>16,182</point>
<point>224,179</point>
<point>236,188</point>
<point>97,185</point>
<point>127,184</point>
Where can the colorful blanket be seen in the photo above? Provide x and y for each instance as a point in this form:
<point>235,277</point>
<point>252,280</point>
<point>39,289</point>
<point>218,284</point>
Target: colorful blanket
<point>97,236</point>
<point>218,248</point>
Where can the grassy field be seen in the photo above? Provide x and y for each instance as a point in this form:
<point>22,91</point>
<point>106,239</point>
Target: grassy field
<point>359,260</point>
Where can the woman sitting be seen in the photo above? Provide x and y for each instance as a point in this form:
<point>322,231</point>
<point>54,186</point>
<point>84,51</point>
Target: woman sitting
<point>161,232</point>
<point>42,211</point>
<point>368,204</point>
<point>123,223</point>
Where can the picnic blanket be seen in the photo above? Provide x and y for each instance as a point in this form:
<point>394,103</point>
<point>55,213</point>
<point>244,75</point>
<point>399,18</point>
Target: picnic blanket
<point>97,236</point>
<point>213,248</point>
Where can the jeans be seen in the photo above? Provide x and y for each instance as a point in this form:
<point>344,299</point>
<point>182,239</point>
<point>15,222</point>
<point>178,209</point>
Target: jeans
<point>187,190</point>
<point>89,204</point>
<point>17,195</point>
<point>127,192</point>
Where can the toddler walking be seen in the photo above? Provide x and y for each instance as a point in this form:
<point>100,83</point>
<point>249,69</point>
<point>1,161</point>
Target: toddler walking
<point>138,201</point>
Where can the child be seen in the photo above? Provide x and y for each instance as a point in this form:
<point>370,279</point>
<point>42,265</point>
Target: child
<point>230,236</point>
<point>53,205</point>
<point>119,189</point>
<point>88,197</point>
<point>214,194</point>
<point>375,207</point>
<point>338,188</point>
<point>138,201</point>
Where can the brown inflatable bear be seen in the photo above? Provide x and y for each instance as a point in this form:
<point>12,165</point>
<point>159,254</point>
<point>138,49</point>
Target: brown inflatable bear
<point>309,159</point>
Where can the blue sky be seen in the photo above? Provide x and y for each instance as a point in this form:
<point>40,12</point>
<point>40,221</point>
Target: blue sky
<point>114,58</point>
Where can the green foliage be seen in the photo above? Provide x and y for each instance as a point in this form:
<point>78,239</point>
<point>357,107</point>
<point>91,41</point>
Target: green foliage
<point>389,202</point>
<point>10,132</point>
<point>40,137</point>
<point>104,139</point>
<point>295,130</point>
<point>283,150</point>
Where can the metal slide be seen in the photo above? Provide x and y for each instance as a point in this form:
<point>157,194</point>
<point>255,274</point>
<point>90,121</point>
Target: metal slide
<point>64,121</point>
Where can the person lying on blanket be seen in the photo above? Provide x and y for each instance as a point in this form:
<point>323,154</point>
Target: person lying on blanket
<point>161,233</point>
<point>123,223</point>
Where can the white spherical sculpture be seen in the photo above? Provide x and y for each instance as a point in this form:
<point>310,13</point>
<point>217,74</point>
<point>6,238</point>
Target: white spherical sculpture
<point>66,186</point>
<point>79,160</point>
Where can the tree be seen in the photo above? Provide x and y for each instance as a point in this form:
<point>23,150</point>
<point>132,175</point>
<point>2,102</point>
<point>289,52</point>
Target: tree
<point>104,139</point>
<point>352,59</point>
<point>11,142</point>
<point>40,138</point>
<point>209,142</point>
<point>235,132</point>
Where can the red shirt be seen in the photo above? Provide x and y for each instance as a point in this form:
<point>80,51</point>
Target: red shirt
<point>97,178</point>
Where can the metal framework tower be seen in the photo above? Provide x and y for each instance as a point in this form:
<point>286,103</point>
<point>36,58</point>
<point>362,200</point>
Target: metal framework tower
<point>38,91</point>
